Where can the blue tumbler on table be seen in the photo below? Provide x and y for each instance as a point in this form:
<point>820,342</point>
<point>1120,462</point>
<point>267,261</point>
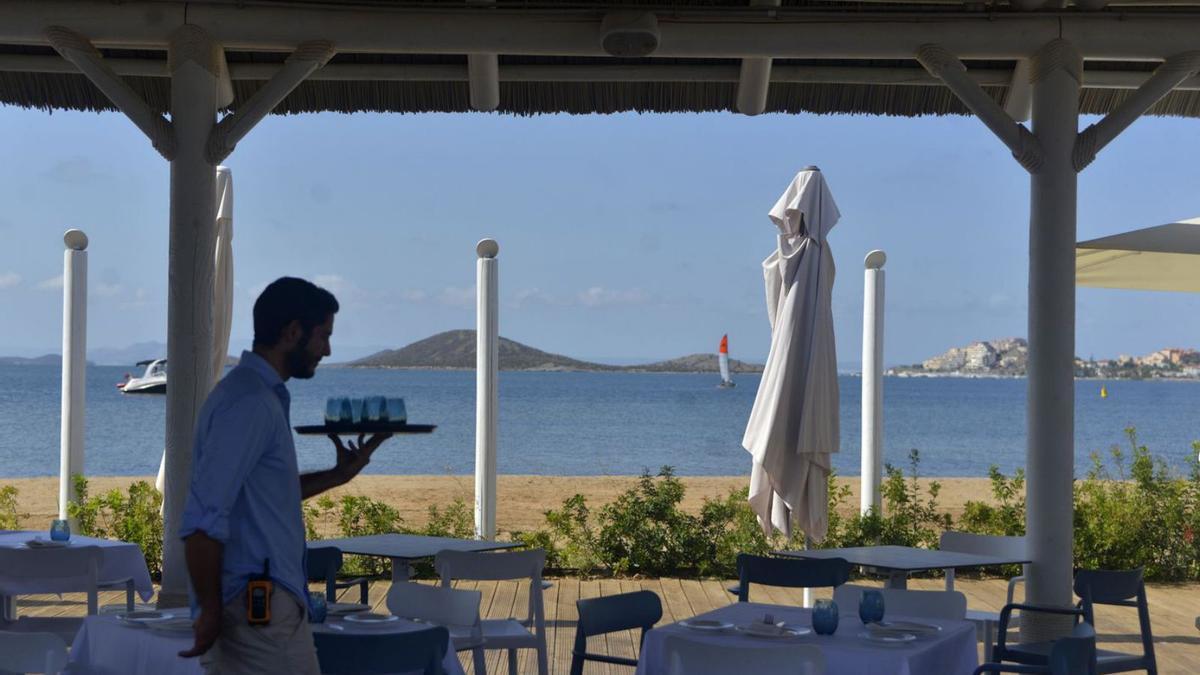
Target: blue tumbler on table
<point>870,606</point>
<point>825,617</point>
<point>60,530</point>
<point>317,608</point>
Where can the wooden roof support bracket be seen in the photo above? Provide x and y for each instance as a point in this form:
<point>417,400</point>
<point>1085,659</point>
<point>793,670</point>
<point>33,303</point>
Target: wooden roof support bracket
<point>1174,71</point>
<point>947,68</point>
<point>307,58</point>
<point>80,52</point>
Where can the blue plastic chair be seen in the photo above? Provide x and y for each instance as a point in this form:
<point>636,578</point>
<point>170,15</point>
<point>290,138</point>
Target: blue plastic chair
<point>789,572</point>
<point>597,616</point>
<point>375,654</point>
<point>323,565</point>
<point>1074,655</point>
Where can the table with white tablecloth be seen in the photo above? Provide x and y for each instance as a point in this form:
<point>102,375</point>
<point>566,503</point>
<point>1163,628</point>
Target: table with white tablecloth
<point>106,646</point>
<point>118,560</point>
<point>950,652</point>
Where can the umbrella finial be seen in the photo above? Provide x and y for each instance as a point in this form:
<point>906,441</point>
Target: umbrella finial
<point>487,248</point>
<point>812,167</point>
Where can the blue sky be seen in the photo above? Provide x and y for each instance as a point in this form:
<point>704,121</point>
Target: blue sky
<point>624,237</point>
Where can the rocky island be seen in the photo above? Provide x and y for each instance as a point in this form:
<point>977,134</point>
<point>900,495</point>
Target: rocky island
<point>455,350</point>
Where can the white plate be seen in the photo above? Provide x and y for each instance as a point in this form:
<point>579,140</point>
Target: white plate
<point>145,617</point>
<point>368,619</point>
<point>915,627</point>
<point>706,624</point>
<point>38,542</point>
<point>178,624</point>
<point>773,631</point>
<point>340,608</point>
<point>887,637</point>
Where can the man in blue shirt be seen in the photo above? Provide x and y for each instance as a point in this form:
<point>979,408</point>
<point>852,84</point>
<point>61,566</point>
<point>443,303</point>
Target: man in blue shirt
<point>243,509</point>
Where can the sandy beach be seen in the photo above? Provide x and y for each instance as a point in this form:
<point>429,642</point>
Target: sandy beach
<point>521,499</point>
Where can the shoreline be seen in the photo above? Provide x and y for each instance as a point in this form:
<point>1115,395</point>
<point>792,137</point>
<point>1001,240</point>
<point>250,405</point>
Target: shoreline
<point>521,500</point>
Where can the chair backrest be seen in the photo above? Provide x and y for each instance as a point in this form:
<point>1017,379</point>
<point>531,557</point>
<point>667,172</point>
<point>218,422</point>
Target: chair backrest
<point>32,652</point>
<point>790,572</point>
<point>443,606</point>
<point>1123,588</point>
<point>610,613</point>
<point>950,605</point>
<point>983,544</point>
<point>506,565</point>
<point>1075,655</point>
<point>322,565</point>
<point>73,569</point>
<point>368,653</point>
<point>687,656</point>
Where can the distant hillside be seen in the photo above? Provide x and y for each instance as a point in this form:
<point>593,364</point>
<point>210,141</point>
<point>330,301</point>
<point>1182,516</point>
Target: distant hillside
<point>47,360</point>
<point>696,363</point>
<point>456,349</point>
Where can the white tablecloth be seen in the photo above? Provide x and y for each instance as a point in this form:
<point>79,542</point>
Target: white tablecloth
<point>105,646</point>
<point>120,560</point>
<point>952,652</point>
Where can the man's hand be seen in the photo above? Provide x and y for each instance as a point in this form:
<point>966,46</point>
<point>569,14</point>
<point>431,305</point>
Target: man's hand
<point>352,459</point>
<point>206,628</point>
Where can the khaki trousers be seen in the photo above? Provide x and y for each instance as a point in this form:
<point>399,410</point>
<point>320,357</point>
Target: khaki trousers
<point>283,646</point>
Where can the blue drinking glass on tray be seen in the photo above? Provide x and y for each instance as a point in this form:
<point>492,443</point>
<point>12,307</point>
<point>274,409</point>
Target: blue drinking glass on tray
<point>396,411</point>
<point>870,606</point>
<point>825,617</point>
<point>356,408</point>
<point>60,530</point>
<point>333,410</point>
<point>346,411</point>
<point>376,409</point>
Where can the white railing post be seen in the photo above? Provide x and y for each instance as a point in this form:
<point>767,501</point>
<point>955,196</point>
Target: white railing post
<point>872,385</point>
<point>487,356</point>
<point>74,365</point>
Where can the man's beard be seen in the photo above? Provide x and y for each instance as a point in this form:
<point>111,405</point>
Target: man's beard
<point>302,365</point>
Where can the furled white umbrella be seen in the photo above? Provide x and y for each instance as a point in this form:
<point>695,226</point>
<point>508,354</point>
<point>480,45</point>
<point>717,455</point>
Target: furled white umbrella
<point>1161,258</point>
<point>222,309</point>
<point>793,427</point>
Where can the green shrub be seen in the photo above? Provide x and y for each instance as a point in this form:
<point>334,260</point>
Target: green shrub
<point>643,531</point>
<point>10,515</point>
<point>1006,517</point>
<point>909,518</point>
<point>133,517</point>
<point>455,520</point>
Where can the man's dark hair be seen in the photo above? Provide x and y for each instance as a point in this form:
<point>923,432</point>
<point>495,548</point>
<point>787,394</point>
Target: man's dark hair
<point>289,299</point>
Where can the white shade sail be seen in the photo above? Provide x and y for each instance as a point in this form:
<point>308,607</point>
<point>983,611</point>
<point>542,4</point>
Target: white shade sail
<point>1162,258</point>
<point>793,427</point>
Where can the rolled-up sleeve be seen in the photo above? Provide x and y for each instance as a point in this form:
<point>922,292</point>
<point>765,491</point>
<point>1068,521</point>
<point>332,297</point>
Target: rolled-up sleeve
<point>226,450</point>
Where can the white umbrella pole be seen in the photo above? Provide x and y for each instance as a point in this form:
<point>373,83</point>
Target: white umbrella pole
<point>74,364</point>
<point>872,385</point>
<point>487,356</point>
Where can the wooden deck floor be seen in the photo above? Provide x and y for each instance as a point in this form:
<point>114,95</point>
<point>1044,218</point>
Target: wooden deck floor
<point>1173,610</point>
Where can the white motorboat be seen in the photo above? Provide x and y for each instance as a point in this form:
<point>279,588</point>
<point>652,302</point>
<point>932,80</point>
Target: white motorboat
<point>153,381</point>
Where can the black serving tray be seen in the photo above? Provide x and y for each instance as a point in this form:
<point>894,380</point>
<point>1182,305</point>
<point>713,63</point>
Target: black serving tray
<point>365,428</point>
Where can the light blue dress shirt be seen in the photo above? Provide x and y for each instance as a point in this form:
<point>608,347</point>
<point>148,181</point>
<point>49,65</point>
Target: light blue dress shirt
<point>245,486</point>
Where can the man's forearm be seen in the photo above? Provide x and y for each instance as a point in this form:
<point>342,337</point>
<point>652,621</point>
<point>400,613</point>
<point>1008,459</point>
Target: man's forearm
<point>313,484</point>
<point>204,557</point>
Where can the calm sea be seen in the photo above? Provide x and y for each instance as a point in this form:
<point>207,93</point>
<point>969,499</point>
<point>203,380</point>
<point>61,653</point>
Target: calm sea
<point>606,423</point>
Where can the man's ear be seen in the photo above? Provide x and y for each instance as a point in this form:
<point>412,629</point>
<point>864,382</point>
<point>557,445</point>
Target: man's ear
<point>292,333</point>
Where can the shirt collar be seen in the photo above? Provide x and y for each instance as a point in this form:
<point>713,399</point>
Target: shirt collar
<point>265,370</point>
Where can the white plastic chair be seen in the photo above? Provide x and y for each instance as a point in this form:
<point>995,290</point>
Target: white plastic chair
<point>950,605</point>
<point>32,652</point>
<point>511,634</point>
<point>984,544</point>
<point>456,609</point>
<point>689,656</point>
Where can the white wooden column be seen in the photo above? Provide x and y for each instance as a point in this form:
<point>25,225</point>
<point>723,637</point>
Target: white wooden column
<point>872,386</point>
<point>194,63</point>
<point>1056,72</point>
<point>487,357</point>
<point>74,365</point>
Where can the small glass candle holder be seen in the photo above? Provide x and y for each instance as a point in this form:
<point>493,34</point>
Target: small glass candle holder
<point>60,530</point>
<point>870,606</point>
<point>825,617</point>
<point>376,409</point>
<point>317,608</point>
